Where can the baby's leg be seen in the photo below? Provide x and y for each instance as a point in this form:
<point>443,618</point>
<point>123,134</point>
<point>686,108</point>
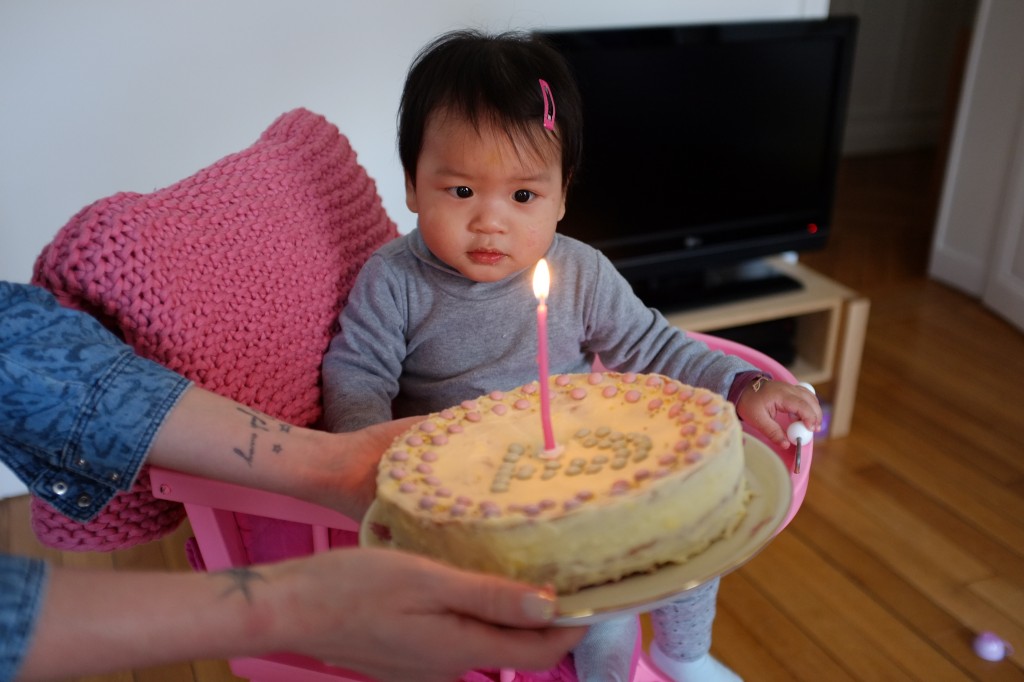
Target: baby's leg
<point>682,637</point>
<point>605,654</point>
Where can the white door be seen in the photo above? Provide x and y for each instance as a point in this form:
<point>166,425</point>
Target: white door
<point>978,245</point>
<point>1004,286</point>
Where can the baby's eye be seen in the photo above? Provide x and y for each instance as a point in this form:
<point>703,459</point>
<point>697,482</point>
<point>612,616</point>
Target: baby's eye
<point>523,196</point>
<point>462,191</point>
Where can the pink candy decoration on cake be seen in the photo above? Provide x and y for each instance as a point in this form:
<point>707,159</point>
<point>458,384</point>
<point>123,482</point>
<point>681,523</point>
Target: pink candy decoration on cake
<point>604,447</point>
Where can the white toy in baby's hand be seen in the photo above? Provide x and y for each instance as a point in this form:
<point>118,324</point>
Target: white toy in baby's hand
<point>799,434</point>
<point>807,386</point>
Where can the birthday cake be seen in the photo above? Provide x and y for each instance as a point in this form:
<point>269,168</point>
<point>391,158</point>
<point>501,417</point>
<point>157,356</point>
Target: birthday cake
<point>644,471</point>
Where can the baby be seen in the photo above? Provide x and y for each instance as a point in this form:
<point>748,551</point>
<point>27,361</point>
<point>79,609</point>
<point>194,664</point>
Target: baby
<point>490,132</point>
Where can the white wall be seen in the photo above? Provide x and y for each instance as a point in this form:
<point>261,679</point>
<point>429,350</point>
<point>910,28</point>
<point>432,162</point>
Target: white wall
<point>903,71</point>
<point>132,95</point>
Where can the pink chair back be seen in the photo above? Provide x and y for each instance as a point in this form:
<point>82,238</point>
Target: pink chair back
<point>248,259</point>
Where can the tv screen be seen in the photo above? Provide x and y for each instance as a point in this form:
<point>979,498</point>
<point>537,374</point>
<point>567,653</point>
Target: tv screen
<point>707,146</point>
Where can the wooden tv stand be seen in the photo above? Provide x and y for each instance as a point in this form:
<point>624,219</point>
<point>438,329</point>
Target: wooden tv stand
<point>831,322</point>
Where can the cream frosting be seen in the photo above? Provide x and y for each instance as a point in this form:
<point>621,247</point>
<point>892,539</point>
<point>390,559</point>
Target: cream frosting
<point>647,470</point>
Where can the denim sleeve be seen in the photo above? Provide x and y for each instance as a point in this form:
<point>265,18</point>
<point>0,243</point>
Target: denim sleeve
<point>78,408</point>
<point>22,583</point>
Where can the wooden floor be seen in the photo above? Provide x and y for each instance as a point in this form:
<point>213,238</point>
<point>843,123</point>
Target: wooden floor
<point>911,538</point>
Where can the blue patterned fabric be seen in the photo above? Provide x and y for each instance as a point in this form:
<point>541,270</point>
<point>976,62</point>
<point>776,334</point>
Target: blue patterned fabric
<point>78,408</point>
<point>21,593</point>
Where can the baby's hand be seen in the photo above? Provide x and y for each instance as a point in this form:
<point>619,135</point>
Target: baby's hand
<point>771,400</point>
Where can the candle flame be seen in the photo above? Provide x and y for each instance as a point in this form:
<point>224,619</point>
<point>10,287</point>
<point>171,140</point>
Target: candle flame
<point>541,280</point>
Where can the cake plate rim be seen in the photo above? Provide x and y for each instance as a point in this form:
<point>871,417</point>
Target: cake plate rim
<point>771,491</point>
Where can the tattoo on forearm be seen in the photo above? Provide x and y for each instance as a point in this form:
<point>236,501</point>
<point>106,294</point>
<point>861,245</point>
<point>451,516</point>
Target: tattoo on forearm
<point>259,422</point>
<point>250,454</point>
<point>241,579</point>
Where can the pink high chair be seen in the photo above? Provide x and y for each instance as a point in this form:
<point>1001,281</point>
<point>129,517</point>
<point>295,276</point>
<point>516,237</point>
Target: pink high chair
<point>211,508</point>
<point>234,277</point>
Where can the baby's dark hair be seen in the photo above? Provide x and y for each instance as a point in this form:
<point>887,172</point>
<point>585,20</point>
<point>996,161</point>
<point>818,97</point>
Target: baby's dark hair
<point>493,80</point>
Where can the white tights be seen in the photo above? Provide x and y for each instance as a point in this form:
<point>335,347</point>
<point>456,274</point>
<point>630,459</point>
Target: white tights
<point>682,642</point>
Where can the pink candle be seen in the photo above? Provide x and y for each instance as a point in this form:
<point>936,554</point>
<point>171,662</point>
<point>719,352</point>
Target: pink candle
<point>541,284</point>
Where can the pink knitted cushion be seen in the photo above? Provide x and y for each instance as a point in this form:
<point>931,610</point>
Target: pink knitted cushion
<point>233,277</point>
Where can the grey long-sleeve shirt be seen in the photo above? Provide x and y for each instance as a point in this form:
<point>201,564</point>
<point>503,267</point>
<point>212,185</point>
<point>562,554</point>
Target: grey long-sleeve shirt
<point>416,336</point>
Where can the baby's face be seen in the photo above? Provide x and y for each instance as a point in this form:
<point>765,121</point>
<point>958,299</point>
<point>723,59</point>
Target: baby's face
<point>485,208</point>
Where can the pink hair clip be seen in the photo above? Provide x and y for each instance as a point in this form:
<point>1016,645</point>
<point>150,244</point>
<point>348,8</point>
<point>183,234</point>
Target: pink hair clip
<point>549,104</point>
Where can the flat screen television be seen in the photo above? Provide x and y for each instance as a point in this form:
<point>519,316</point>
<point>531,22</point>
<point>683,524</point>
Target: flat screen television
<point>707,148</point>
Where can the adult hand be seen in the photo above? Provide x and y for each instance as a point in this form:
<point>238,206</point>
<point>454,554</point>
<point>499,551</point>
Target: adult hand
<point>398,617</point>
<point>393,616</point>
<point>346,476</point>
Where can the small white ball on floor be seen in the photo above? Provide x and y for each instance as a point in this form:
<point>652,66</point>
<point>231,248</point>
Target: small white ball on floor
<point>991,647</point>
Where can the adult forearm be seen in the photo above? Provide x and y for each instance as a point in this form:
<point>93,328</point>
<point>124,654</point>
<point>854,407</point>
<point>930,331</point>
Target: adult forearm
<point>390,615</point>
<point>214,437</point>
<point>127,620</point>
